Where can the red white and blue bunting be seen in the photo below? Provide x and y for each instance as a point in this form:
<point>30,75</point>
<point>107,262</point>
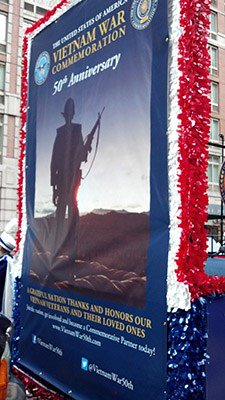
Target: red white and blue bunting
<point>188,134</point>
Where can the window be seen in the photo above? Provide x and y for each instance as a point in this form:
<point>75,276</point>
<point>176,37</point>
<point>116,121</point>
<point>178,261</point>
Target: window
<point>213,25</point>
<point>29,7</point>
<point>214,60</point>
<point>2,83</point>
<point>3,31</point>
<point>214,96</point>
<point>213,171</point>
<point>2,77</point>
<point>1,138</point>
<point>214,129</point>
<point>40,10</point>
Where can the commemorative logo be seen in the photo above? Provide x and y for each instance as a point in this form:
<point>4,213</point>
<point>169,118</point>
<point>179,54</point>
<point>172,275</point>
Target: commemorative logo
<point>42,68</point>
<point>142,12</point>
<point>222,182</point>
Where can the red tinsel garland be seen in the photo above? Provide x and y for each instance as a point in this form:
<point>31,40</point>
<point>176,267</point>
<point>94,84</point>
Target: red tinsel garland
<point>34,388</point>
<point>194,102</point>
<point>23,114</point>
<point>22,139</point>
<point>46,17</point>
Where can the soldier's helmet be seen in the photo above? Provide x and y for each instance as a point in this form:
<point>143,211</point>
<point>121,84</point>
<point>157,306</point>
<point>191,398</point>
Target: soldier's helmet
<point>69,108</point>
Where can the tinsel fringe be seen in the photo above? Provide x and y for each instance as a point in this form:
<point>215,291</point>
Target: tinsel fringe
<point>34,388</point>
<point>194,103</point>
<point>22,140</point>
<point>187,353</point>
<point>178,295</point>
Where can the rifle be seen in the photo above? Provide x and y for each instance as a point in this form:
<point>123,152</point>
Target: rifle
<point>90,137</point>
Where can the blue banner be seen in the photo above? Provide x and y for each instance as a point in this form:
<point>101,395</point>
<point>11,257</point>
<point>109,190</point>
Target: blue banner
<point>93,310</point>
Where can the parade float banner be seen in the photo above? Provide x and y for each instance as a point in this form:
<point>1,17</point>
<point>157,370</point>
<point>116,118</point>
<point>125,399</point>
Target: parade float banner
<point>93,308</point>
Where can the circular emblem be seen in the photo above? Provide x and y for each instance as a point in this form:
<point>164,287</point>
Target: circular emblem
<point>42,67</point>
<point>142,12</point>
<point>222,182</point>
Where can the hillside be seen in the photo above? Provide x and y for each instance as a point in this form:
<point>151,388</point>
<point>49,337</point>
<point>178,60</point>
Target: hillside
<point>115,239</point>
<point>110,262</point>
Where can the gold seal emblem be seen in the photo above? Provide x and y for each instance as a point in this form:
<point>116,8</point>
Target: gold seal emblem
<point>142,12</point>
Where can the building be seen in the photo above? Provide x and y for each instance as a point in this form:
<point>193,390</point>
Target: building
<point>15,16</point>
<point>217,131</point>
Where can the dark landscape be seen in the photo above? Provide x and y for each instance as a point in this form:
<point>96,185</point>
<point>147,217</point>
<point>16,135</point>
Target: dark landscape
<point>110,262</point>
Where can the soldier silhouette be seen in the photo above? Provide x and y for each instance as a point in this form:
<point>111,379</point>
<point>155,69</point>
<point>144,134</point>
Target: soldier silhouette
<point>69,151</point>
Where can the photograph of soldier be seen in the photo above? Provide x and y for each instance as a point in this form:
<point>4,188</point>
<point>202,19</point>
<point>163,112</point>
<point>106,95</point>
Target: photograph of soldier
<point>90,231</point>
<point>69,151</point>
